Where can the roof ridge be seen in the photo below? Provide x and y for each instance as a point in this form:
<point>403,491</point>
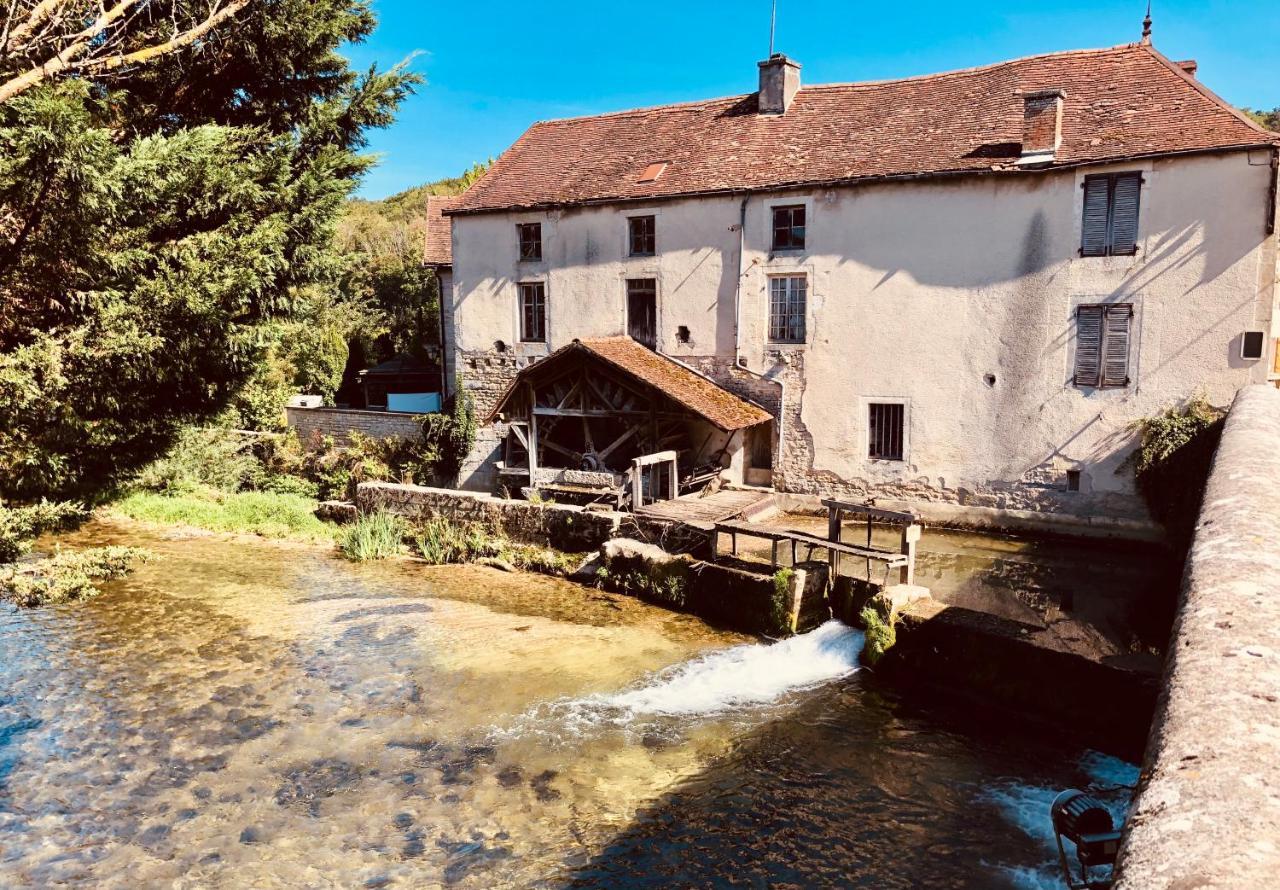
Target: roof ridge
<point>1206,92</point>
<point>937,75</point>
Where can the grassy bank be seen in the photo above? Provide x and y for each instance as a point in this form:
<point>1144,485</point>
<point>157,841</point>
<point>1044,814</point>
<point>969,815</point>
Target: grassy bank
<point>264,513</point>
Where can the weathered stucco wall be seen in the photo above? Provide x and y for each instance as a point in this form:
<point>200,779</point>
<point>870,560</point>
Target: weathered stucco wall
<point>955,296</point>
<point>1208,811</point>
<point>341,422</point>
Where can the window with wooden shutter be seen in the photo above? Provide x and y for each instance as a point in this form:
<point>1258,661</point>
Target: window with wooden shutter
<point>1102,345</point>
<point>1110,223</point>
<point>533,312</point>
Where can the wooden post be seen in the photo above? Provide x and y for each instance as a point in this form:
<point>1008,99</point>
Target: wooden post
<point>775,554</point>
<point>910,535</point>
<point>833,535</point>
<point>533,447</point>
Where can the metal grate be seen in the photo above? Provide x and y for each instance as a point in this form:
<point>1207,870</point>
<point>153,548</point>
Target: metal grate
<point>533,312</point>
<point>530,235</point>
<point>885,430</point>
<point>787,297</point>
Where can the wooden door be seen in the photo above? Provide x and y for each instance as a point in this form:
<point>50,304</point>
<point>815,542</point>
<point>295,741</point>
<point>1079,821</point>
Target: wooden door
<point>642,311</point>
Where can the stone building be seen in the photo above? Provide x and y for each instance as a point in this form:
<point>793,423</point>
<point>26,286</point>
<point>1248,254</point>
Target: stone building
<point>961,288</point>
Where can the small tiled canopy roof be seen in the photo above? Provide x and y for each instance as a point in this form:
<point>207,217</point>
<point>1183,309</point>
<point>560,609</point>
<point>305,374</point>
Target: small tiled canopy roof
<point>438,244</point>
<point>674,380</point>
<point>1120,103</point>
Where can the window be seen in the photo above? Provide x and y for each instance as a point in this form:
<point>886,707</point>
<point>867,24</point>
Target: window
<point>533,312</point>
<point>788,227</point>
<point>787,297</point>
<point>1102,345</point>
<point>530,240</point>
<point>1110,226</point>
<point>885,430</point>
<point>642,235</point>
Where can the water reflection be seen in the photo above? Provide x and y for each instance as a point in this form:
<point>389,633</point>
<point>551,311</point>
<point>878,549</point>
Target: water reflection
<point>247,714</point>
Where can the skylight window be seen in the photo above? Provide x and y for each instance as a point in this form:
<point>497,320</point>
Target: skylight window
<point>653,171</point>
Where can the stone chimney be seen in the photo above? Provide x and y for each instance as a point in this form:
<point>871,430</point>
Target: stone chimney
<point>779,82</point>
<point>1041,126</point>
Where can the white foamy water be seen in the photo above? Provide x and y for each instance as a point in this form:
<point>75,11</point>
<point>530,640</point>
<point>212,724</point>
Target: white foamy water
<point>723,681</point>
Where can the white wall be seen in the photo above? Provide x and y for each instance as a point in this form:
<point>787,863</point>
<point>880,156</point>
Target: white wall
<point>916,291</point>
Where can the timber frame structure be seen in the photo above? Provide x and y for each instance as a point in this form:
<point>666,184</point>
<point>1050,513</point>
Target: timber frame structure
<point>597,414</point>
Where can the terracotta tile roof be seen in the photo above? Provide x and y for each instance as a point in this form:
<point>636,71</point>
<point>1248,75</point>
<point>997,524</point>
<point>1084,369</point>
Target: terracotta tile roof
<point>674,380</point>
<point>438,242</point>
<point>1122,102</point>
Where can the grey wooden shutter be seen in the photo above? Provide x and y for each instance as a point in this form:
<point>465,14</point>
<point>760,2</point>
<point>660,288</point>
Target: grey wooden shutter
<point>1115,351</point>
<point>1124,213</point>
<point>1093,240</point>
<point>1088,345</point>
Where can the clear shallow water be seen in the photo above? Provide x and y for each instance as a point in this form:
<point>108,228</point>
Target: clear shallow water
<point>245,714</point>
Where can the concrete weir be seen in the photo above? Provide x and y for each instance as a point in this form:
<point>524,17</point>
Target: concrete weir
<point>1208,811</point>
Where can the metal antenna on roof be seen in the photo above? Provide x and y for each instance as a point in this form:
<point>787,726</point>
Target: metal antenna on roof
<point>773,24</point>
<point>1146,26</point>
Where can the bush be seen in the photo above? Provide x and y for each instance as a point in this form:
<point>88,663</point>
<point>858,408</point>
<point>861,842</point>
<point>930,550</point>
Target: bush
<point>19,526</point>
<point>67,576</point>
<point>878,620</point>
<point>1171,464</point>
<point>202,456</point>
<point>262,513</point>
<point>373,536</point>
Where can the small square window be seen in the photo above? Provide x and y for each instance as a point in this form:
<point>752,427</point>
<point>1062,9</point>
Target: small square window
<point>1073,480</point>
<point>530,235</point>
<point>533,312</point>
<point>788,296</point>
<point>642,235</point>
<point>788,227</point>
<point>886,423</point>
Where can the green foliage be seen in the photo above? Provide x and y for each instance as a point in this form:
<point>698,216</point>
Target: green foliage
<point>212,457</point>
<point>449,437</point>
<point>262,513</point>
<point>157,222</point>
<point>67,575</point>
<point>1172,461</point>
<point>665,583</point>
<point>1269,119</point>
<point>19,526</point>
<point>779,614</point>
<point>372,536</point>
<point>440,541</point>
<point>879,621</point>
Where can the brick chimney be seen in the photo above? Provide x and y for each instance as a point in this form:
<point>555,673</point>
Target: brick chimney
<point>1041,126</point>
<point>779,81</point>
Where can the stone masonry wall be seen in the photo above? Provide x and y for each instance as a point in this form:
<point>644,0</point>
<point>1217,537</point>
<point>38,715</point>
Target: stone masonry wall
<point>485,376</point>
<point>1208,811</point>
<point>340,422</point>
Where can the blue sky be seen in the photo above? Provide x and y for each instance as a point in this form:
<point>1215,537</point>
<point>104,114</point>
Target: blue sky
<point>494,68</point>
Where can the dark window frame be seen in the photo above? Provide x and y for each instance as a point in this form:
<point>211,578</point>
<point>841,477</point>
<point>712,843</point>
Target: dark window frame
<point>533,311</point>
<point>1108,246</point>
<point>889,444</point>
<point>529,240</point>
<point>645,241</point>
<point>788,322</point>
<point>788,219</point>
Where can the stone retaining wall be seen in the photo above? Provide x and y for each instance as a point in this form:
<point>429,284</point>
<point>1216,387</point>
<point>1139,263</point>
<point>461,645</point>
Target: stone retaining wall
<point>341,422</point>
<point>562,526</point>
<point>1208,811</point>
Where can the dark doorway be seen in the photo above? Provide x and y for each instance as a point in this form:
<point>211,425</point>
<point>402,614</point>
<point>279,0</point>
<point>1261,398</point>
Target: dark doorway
<point>642,311</point>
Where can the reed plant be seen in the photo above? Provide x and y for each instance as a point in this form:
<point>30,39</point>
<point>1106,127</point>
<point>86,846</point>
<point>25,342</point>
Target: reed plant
<point>372,536</point>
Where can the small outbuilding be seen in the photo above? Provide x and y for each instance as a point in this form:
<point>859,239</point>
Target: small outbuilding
<point>612,417</point>
<point>403,383</point>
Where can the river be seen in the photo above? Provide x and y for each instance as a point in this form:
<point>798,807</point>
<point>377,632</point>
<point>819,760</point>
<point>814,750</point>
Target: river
<point>240,713</point>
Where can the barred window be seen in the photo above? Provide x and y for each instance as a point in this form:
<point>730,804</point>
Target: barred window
<point>788,227</point>
<point>533,312</point>
<point>643,235</point>
<point>885,430</point>
<point>1110,226</point>
<point>1102,344</point>
<point>530,235</point>
<point>788,295</point>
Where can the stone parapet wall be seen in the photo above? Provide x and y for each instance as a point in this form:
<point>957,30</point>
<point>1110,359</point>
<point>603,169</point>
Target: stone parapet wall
<point>339,423</point>
<point>1208,811</point>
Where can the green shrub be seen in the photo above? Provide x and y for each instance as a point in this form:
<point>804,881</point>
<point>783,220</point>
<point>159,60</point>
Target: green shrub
<point>215,457</point>
<point>19,526</point>
<point>67,575</point>
<point>372,536</point>
<point>441,542</point>
<point>879,621</point>
<point>1172,461</point>
<point>779,614</point>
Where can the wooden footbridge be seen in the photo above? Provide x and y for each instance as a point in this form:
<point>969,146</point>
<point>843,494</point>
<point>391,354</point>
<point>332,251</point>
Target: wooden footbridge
<point>903,559</point>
